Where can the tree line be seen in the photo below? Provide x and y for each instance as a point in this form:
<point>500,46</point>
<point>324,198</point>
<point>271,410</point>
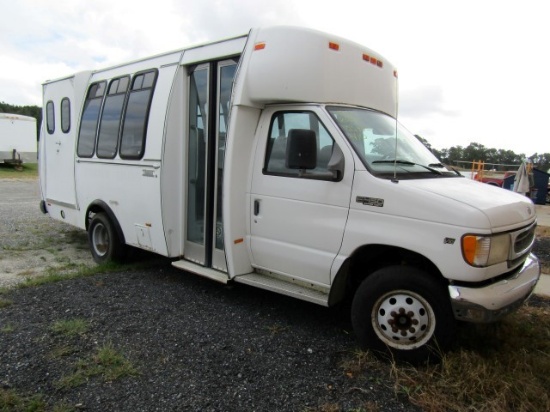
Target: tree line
<point>31,111</point>
<point>498,159</point>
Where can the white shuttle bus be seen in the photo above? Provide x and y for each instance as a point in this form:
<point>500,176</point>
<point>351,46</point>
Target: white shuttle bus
<point>275,159</point>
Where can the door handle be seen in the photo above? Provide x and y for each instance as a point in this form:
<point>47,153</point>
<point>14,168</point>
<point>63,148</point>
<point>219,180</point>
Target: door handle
<point>256,207</point>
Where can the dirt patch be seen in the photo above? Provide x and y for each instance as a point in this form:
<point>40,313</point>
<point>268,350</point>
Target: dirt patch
<point>32,243</point>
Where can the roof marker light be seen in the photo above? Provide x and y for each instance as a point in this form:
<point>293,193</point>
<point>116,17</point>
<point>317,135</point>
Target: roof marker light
<point>333,46</point>
<point>372,60</point>
<point>259,46</point>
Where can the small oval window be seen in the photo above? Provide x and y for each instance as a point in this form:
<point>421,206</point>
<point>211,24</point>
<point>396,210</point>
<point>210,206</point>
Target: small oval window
<point>65,115</point>
<point>50,117</point>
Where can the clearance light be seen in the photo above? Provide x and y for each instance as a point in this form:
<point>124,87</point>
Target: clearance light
<point>259,46</point>
<point>373,60</point>
<point>395,73</point>
<point>333,46</point>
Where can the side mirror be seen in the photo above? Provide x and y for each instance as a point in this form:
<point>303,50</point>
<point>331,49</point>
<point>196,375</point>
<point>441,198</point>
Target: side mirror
<point>336,163</point>
<point>301,150</point>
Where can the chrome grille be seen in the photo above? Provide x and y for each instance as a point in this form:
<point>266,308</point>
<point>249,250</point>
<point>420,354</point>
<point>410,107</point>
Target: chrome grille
<point>522,243</point>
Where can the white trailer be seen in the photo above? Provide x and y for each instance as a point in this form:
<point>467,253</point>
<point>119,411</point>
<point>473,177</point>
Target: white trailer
<point>275,159</point>
<point>17,138</point>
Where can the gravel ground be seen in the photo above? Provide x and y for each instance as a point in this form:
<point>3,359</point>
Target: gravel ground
<point>192,344</point>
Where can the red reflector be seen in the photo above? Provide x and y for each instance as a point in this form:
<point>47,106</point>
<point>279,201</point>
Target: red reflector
<point>333,46</point>
<point>366,57</point>
<point>259,46</point>
<point>395,73</point>
<point>379,63</point>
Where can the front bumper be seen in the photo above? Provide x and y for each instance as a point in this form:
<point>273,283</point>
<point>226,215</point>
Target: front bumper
<point>490,303</point>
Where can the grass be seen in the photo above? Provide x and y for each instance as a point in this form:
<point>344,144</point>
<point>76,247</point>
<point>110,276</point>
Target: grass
<point>29,171</point>
<point>71,271</point>
<point>107,363</point>
<point>496,367</point>
<point>70,327</point>
<point>4,303</point>
<point>7,328</point>
<point>11,401</point>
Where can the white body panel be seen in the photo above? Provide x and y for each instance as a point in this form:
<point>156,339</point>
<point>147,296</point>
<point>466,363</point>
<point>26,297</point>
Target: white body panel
<point>300,219</point>
<point>417,215</point>
<point>18,132</point>
<point>57,148</point>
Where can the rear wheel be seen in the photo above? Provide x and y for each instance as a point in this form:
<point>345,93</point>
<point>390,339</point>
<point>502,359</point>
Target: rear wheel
<point>403,313</point>
<point>104,240</point>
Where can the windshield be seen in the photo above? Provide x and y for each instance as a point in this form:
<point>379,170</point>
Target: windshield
<point>372,134</point>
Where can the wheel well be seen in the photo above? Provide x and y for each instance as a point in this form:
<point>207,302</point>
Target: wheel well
<point>368,259</point>
<point>99,206</point>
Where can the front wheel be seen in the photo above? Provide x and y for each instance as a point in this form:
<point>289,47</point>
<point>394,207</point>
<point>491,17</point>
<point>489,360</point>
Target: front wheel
<point>404,313</point>
<point>104,240</point>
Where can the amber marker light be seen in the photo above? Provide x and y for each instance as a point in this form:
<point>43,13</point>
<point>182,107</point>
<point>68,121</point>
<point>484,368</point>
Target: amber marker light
<point>372,60</point>
<point>333,46</point>
<point>259,46</point>
<point>469,245</point>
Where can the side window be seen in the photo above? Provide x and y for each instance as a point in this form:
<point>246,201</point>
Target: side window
<point>50,117</point>
<point>132,143</point>
<point>276,155</point>
<point>65,115</point>
<point>90,118</point>
<point>111,117</point>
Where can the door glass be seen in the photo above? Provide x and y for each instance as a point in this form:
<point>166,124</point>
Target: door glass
<point>197,150</point>
<point>227,73</point>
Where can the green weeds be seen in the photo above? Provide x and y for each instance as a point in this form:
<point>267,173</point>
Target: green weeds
<point>106,363</point>
<point>496,367</point>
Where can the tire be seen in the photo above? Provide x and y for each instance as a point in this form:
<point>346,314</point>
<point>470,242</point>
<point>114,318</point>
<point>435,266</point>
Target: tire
<point>402,313</point>
<point>104,240</point>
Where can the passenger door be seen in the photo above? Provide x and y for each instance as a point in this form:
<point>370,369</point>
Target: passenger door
<point>298,216</point>
<point>58,142</point>
<point>210,87</point>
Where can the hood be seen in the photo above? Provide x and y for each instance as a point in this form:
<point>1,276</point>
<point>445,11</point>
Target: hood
<point>502,208</point>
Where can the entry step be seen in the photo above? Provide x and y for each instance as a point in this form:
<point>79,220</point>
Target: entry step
<point>285,288</point>
<point>201,270</point>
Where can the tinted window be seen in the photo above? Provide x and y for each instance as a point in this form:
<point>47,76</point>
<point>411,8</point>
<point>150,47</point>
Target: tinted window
<point>111,117</point>
<point>50,117</point>
<point>90,117</point>
<point>65,115</point>
<point>137,113</point>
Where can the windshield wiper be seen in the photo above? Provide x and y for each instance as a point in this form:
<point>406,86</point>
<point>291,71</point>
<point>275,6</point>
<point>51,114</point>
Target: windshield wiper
<point>408,163</point>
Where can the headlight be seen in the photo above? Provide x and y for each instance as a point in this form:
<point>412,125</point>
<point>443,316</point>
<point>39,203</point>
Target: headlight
<point>484,251</point>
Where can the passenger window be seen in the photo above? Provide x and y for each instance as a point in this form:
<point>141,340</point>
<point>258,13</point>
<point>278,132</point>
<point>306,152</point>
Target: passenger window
<point>276,155</point>
<point>50,117</point>
<point>90,118</point>
<point>111,117</point>
<point>65,115</point>
<point>134,128</point>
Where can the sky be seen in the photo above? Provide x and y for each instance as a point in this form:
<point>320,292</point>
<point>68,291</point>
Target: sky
<point>469,71</point>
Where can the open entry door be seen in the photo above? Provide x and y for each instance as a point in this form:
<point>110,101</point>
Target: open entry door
<point>210,88</point>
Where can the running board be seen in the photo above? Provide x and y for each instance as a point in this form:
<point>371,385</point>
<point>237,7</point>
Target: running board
<point>201,271</point>
<point>284,288</point>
